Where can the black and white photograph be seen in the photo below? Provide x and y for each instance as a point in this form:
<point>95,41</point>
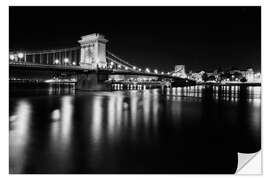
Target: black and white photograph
<point>133,89</point>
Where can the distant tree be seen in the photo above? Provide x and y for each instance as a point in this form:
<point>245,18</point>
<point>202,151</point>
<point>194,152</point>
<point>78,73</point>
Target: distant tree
<point>227,74</point>
<point>211,78</point>
<point>243,79</point>
<point>237,75</point>
<point>204,77</point>
<point>219,70</point>
<point>223,77</point>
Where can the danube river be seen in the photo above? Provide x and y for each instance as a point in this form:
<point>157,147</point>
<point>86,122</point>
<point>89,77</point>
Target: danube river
<point>198,129</point>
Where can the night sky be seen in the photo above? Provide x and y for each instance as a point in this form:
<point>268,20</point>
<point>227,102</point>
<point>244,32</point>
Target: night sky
<point>202,38</point>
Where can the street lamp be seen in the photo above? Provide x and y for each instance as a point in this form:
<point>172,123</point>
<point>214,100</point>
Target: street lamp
<point>56,61</point>
<point>134,67</point>
<point>126,68</point>
<point>168,73</point>
<point>111,63</point>
<point>12,57</point>
<point>74,63</point>
<point>147,70</point>
<point>162,73</point>
<point>66,60</point>
<point>20,55</point>
<point>140,69</point>
<point>156,71</point>
<point>119,66</point>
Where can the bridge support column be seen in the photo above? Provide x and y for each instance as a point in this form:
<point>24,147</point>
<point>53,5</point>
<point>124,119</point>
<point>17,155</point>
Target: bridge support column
<point>93,81</point>
<point>53,60</point>
<point>47,58</point>
<point>40,58</point>
<point>24,58</point>
<point>33,58</point>
<point>75,57</point>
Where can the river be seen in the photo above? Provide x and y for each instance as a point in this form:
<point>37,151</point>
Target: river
<point>198,129</point>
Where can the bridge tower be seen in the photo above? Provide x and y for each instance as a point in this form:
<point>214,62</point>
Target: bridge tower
<point>93,51</point>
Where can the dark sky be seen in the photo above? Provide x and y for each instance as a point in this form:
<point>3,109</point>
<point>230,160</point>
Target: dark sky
<point>156,37</point>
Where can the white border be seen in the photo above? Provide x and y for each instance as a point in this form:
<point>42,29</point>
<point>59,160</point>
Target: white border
<point>4,78</point>
<point>138,2</point>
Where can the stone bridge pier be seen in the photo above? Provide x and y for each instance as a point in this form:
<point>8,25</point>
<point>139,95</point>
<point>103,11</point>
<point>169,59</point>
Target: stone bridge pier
<point>93,57</point>
<point>93,81</point>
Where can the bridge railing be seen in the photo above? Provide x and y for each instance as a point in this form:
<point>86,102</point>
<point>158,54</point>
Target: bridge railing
<point>71,57</point>
<point>117,59</point>
<point>120,64</point>
<point>66,56</point>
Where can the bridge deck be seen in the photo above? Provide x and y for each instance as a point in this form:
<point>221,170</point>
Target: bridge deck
<point>81,69</point>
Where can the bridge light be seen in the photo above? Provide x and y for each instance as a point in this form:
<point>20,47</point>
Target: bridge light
<point>162,73</point>
<point>147,70</point>
<point>111,63</point>
<point>168,73</point>
<point>156,71</point>
<point>140,69</point>
<point>56,61</point>
<point>74,63</point>
<point>126,68</point>
<point>20,55</point>
<point>119,66</point>
<point>134,67</point>
<point>66,60</point>
<point>12,57</point>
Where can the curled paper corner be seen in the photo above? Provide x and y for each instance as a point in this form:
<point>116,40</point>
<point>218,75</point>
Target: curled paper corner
<point>249,164</point>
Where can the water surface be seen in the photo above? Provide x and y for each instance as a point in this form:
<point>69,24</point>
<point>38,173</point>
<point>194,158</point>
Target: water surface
<point>181,130</point>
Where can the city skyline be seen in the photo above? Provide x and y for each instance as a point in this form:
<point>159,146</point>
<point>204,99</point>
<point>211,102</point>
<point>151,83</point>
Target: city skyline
<point>183,35</point>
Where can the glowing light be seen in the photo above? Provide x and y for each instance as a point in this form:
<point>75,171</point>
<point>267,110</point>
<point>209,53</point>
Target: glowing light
<point>66,113</point>
<point>56,61</point>
<point>20,55</point>
<point>162,73</point>
<point>111,117</point>
<point>134,67</point>
<point>147,70</point>
<point>168,73</point>
<point>126,68</point>
<point>97,119</point>
<point>23,119</point>
<point>74,63</point>
<point>66,60</point>
<point>21,135</point>
<point>119,66</point>
<point>56,115</point>
<point>155,71</point>
<point>11,57</point>
<point>146,107</point>
<point>140,69</point>
<point>111,63</point>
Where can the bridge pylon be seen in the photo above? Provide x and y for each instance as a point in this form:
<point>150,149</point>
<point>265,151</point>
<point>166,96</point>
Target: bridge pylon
<point>93,51</point>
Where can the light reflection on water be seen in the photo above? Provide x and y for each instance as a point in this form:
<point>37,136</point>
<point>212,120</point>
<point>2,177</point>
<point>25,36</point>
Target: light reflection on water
<point>19,139</point>
<point>136,131</point>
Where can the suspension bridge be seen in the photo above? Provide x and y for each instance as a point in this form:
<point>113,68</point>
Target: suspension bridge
<point>90,64</point>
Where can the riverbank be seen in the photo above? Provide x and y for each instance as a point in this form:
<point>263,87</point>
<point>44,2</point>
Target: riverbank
<point>231,84</point>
